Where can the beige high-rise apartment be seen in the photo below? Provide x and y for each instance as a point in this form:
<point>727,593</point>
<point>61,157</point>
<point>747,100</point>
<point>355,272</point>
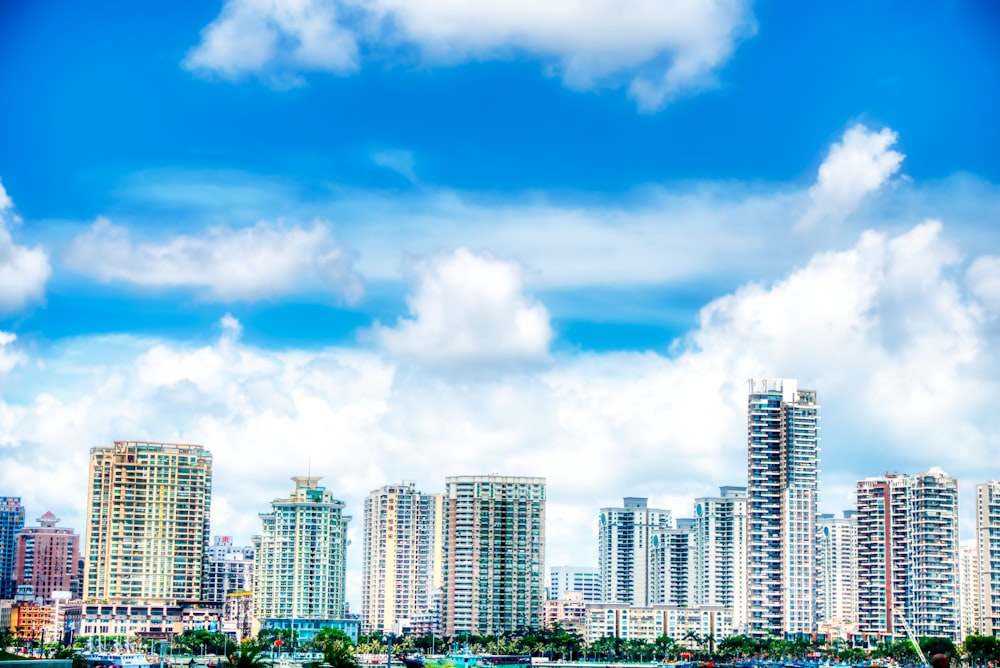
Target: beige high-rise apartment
<point>494,568</point>
<point>403,557</point>
<point>148,507</point>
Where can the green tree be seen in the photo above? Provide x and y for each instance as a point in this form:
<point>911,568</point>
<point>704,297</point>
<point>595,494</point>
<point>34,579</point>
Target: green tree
<point>339,654</point>
<point>932,646</point>
<point>982,649</point>
<point>246,656</point>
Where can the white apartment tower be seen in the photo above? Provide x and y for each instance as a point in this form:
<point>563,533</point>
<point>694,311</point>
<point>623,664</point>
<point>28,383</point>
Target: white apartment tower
<point>229,569</point>
<point>625,540</point>
<point>968,579</point>
<point>908,554</point>
<point>582,579</point>
<point>301,555</point>
<point>403,556</point>
<point>672,565</point>
<point>720,540</point>
<point>988,548</point>
<point>494,567</point>
<point>837,541</point>
<point>782,477</point>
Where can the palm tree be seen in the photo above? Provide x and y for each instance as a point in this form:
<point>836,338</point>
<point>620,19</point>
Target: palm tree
<point>339,655</point>
<point>247,656</point>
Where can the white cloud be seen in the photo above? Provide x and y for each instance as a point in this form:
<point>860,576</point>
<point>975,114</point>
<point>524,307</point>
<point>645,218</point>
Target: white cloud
<point>397,160</point>
<point>24,270</point>
<point>860,164</point>
<point>984,281</point>
<point>258,262</point>
<point>658,49</point>
<point>275,38</point>
<point>9,358</point>
<point>901,359</point>
<point>469,310</point>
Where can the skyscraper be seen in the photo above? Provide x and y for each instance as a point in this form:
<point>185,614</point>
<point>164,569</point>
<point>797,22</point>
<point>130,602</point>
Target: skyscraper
<point>402,562</point>
<point>300,560</point>
<point>672,565</point>
<point>720,564</point>
<point>11,522</point>
<point>908,554</point>
<point>148,507</point>
<point>968,579</point>
<point>988,549</point>
<point>783,452</point>
<point>494,569</point>
<point>838,570</point>
<point>625,541</point>
<point>47,557</point>
<point>582,579</point>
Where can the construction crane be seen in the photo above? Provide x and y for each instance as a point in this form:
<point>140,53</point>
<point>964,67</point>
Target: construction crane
<point>911,636</point>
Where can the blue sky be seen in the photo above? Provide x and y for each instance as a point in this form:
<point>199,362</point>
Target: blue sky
<point>498,238</point>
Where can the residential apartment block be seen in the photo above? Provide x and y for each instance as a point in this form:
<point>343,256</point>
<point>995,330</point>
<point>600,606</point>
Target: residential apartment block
<point>300,556</point>
<point>837,603</point>
<point>672,565</point>
<point>585,580</point>
<point>988,556</point>
<point>625,546</point>
<point>148,507</point>
<point>228,569</point>
<point>11,523</point>
<point>494,568</point>
<point>782,475</point>
<point>47,558</point>
<point>403,556</point>
<point>687,626</point>
<point>720,560</point>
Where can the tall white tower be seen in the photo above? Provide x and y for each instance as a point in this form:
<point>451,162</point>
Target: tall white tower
<point>300,561</point>
<point>782,477</point>
<point>720,564</point>
<point>625,542</point>
<point>988,548</point>
<point>837,539</point>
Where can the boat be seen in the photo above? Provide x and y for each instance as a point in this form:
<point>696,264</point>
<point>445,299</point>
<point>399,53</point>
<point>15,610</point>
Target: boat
<point>467,659</point>
<point>117,657</point>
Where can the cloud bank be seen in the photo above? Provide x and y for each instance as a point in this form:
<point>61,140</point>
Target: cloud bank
<point>252,263</point>
<point>657,50</point>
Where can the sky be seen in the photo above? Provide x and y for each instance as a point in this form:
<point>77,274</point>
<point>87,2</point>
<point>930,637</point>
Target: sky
<point>385,240</point>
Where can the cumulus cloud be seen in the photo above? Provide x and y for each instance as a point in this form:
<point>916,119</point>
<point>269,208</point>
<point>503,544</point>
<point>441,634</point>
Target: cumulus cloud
<point>277,39</point>
<point>9,357</point>
<point>860,164</point>
<point>24,270</point>
<point>659,50</point>
<point>225,264</point>
<point>469,309</point>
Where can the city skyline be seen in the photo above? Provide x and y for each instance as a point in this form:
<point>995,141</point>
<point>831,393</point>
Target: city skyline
<point>396,245</point>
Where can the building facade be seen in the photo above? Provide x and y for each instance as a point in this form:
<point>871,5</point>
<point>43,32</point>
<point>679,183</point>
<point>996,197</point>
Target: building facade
<point>672,564</point>
<point>11,523</point>
<point>908,554</point>
<point>300,558</point>
<point>720,543</point>
<point>689,627</point>
<point>229,568</point>
<point>47,558</point>
<point>968,579</point>
<point>494,568</point>
<point>403,556</point>
<point>837,606</point>
<point>625,546</point>
<point>988,556</point>
<point>782,477</point>
<point>585,580</point>
<point>148,509</point>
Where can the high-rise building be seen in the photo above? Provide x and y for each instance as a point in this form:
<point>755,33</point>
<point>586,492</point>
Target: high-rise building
<point>782,476</point>
<point>625,541</point>
<point>148,507</point>
<point>402,561</point>
<point>968,580</point>
<point>837,538</point>
<point>229,569</point>
<point>585,580</point>
<point>672,561</point>
<point>988,549</point>
<point>47,557</point>
<point>494,569</point>
<point>11,522</point>
<point>908,554</point>
<point>300,558</point>
<point>720,543</point>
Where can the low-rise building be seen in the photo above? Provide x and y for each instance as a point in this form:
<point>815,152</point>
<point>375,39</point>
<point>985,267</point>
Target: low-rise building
<point>156,621</point>
<point>684,625</point>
